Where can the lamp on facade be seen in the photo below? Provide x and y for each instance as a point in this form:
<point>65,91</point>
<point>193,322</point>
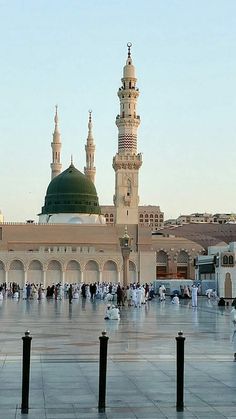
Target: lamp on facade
<point>125,245</point>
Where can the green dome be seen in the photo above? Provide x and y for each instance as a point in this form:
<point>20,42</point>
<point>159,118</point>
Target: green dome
<point>71,192</point>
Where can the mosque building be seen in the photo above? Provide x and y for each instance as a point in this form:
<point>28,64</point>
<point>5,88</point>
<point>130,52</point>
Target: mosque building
<point>76,239</point>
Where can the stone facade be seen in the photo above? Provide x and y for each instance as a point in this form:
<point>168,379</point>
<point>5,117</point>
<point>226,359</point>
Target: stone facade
<point>74,253</point>
<point>148,216</point>
<point>221,261</point>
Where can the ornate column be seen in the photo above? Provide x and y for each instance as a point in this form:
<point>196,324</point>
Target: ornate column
<point>44,278</point>
<point>100,277</point>
<point>125,244</point>
<point>25,276</point>
<point>63,278</point>
<point>6,276</point>
<point>81,276</point>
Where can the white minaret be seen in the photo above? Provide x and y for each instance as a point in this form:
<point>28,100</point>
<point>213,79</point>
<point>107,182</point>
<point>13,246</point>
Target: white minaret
<point>56,149</point>
<point>90,169</point>
<point>127,162</point>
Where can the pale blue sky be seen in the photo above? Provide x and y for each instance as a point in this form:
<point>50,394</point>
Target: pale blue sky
<point>72,53</point>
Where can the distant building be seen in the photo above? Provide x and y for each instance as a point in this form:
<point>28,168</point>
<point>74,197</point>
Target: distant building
<point>148,216</point>
<point>219,264</point>
<point>202,218</point>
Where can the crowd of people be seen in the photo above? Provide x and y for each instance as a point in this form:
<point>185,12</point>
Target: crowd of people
<point>134,294</point>
<point>114,295</point>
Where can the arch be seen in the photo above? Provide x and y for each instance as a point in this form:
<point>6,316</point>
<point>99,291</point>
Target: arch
<point>182,264</point>
<point>109,273</point>
<point>53,273</point>
<point>231,260</point>
<point>73,272</point>
<point>132,272</point>
<point>35,272</point>
<point>182,257</point>
<point>161,257</point>
<point>54,265</point>
<point>16,265</point>
<point>228,285</point>
<point>35,265</point>
<point>225,260</point>
<point>16,272</point>
<point>91,272</point>
<point>161,264</point>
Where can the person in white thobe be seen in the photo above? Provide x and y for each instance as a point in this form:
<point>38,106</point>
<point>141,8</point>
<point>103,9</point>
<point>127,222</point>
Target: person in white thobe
<point>139,296</point>
<point>24,293</point>
<point>162,291</point>
<point>134,296</point>
<point>194,296</point>
<point>114,313</point>
<point>175,299</point>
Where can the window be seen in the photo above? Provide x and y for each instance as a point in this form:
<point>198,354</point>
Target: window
<point>225,260</point>
<point>231,260</point>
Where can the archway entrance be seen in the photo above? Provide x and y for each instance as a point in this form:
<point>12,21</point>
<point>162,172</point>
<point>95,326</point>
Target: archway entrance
<point>161,264</point>
<point>53,273</point>
<point>73,273</point>
<point>109,273</point>
<point>182,265</point>
<point>91,273</point>
<point>35,273</point>
<point>16,273</point>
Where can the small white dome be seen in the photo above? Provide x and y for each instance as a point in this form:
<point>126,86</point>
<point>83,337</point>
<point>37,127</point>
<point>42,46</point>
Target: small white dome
<point>129,69</point>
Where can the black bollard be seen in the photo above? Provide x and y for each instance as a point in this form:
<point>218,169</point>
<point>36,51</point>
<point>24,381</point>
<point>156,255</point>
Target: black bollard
<point>26,372</point>
<point>180,372</point>
<point>102,371</point>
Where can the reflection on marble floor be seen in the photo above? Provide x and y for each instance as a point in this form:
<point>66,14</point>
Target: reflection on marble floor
<point>141,359</point>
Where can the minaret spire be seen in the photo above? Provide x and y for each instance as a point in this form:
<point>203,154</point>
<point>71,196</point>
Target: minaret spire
<point>56,148</point>
<point>90,169</point>
<point>127,162</point>
<point>129,45</point>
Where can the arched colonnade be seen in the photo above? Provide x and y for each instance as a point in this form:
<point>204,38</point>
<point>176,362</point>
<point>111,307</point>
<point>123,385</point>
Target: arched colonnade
<point>73,271</point>
<point>177,265</point>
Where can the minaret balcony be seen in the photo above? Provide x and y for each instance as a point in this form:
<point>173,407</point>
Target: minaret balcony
<point>128,117</point>
<point>127,161</point>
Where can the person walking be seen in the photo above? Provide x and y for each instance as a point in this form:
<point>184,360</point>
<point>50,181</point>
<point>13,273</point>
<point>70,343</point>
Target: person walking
<point>194,296</point>
<point>70,293</point>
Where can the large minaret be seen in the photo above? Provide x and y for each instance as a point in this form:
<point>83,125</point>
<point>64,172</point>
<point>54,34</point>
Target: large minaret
<point>90,169</point>
<point>56,149</point>
<point>127,162</point>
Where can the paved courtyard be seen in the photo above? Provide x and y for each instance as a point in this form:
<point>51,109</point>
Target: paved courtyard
<point>141,381</point>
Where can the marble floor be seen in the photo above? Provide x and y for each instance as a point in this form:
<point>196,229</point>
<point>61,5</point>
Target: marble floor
<point>141,375</point>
